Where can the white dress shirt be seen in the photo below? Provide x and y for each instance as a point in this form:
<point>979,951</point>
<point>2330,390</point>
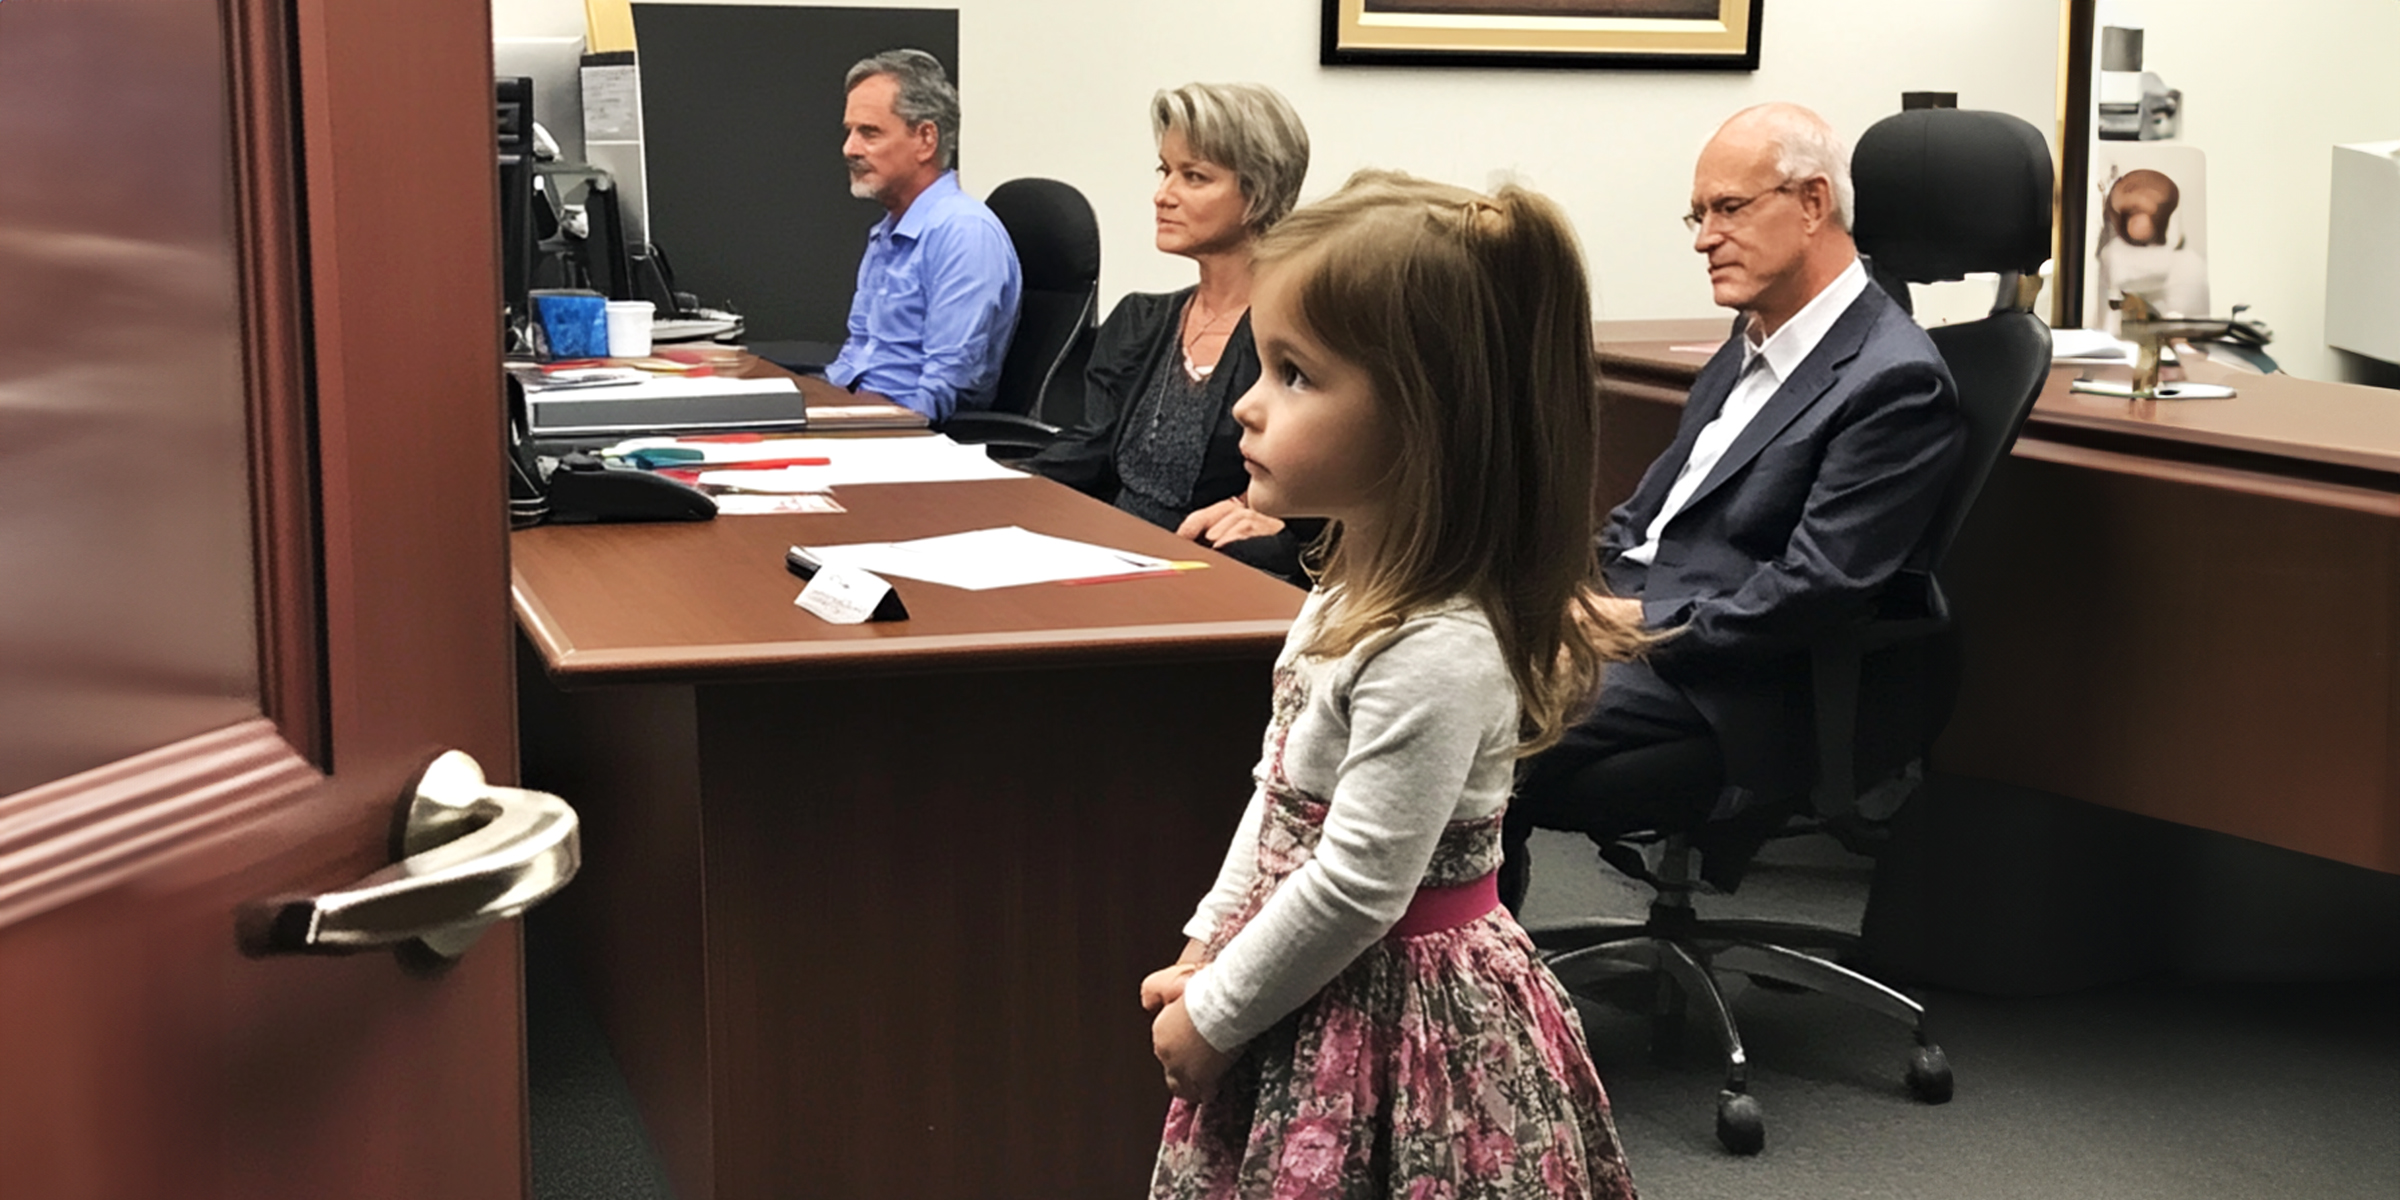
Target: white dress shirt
<point>1764,368</point>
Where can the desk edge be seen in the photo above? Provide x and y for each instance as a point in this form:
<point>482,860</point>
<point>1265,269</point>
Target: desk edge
<point>792,660</point>
<point>2298,490</point>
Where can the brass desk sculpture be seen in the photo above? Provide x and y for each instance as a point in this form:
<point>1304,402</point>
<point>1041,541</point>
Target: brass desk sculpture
<point>2150,334</point>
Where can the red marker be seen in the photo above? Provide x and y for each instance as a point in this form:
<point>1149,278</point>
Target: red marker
<point>769,464</point>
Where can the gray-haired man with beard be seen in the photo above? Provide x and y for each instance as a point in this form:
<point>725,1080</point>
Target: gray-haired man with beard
<point>937,289</point>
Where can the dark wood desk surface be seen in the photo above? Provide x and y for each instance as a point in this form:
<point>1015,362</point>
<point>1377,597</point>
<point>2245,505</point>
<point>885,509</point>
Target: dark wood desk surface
<point>2276,423</point>
<point>864,908</point>
<point>2185,609</point>
<point>711,601</point>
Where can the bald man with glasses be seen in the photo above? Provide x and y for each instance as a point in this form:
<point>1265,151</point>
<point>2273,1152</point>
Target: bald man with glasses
<point>1811,455</point>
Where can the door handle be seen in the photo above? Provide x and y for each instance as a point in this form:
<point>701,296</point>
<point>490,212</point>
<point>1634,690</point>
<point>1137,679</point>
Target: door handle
<point>472,853</point>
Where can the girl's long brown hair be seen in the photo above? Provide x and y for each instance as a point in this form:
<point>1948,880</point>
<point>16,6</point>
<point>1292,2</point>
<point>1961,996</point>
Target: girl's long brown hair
<point>1471,315</point>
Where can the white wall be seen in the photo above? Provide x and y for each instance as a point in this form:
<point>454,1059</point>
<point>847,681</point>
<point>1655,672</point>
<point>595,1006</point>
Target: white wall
<point>2268,91</point>
<point>537,18</point>
<point>1061,88</point>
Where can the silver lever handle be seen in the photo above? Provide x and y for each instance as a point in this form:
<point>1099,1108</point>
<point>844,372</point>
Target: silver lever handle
<point>474,853</point>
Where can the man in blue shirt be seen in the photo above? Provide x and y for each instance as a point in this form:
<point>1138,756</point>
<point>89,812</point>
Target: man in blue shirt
<point>937,290</point>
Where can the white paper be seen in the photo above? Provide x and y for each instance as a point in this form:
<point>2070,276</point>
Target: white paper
<point>852,410</point>
<point>850,460</point>
<point>744,504</point>
<point>675,387</point>
<point>781,481</point>
<point>581,378</point>
<point>612,103</point>
<point>842,595</point>
<point>1007,556</point>
<point>2095,344</point>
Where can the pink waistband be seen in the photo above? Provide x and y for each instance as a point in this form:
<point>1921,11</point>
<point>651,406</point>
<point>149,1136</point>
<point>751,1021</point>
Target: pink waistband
<point>1438,908</point>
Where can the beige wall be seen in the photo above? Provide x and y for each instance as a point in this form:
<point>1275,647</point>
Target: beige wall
<point>1614,147</point>
<point>1060,88</point>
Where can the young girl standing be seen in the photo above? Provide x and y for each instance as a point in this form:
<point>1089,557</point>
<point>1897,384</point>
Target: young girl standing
<point>1355,1014</point>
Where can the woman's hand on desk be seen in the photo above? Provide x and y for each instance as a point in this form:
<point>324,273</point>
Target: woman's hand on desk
<point>1228,520</point>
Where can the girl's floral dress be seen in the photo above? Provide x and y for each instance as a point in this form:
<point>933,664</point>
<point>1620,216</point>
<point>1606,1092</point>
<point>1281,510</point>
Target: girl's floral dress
<point>1444,1066</point>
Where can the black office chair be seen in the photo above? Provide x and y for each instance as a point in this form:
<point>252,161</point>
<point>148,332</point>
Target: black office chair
<point>1940,193</point>
<point>1058,249</point>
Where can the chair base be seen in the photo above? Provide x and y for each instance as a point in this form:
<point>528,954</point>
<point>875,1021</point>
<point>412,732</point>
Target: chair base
<point>1683,952</point>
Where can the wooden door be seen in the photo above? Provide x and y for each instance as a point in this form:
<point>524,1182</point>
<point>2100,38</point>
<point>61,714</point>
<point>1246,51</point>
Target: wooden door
<point>251,499</point>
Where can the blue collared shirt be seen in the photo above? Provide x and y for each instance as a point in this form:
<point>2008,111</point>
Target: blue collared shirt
<point>935,306</point>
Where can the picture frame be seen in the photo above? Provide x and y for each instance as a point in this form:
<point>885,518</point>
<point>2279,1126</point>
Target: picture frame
<point>1712,35</point>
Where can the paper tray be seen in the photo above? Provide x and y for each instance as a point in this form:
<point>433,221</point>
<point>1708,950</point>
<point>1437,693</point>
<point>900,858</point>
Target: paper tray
<point>570,415</point>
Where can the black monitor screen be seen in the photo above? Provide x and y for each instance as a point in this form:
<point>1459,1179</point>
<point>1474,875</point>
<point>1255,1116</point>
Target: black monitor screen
<point>514,110</point>
<point>607,265</point>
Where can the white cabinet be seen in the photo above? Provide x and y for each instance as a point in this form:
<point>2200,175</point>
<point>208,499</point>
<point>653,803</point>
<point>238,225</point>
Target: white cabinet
<point>2362,270</point>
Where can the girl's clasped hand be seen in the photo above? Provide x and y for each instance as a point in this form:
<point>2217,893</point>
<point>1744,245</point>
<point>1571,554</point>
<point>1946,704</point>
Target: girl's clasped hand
<point>1192,1065</point>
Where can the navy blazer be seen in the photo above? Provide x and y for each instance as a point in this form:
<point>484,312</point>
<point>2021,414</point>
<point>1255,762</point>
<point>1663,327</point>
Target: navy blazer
<point>1822,500</point>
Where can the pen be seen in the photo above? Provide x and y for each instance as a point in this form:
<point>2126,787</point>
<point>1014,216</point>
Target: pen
<point>687,458</point>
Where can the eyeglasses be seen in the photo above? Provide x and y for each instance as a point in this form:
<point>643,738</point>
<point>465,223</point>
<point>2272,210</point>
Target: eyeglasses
<point>1728,209</point>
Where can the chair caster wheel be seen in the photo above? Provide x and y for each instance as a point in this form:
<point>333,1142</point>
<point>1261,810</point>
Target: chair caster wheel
<point>1929,1074</point>
<point>1741,1124</point>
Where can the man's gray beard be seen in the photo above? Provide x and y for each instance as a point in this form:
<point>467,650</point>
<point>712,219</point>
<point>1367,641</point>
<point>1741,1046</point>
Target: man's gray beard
<point>860,188</point>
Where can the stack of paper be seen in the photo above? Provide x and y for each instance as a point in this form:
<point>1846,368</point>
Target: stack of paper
<point>992,558</point>
<point>2089,345</point>
<point>845,461</point>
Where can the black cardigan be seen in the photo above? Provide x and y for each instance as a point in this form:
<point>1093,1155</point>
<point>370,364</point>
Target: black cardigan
<point>1136,338</point>
<point>1139,335</point>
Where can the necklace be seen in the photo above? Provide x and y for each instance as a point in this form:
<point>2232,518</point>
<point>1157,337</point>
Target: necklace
<point>1197,330</point>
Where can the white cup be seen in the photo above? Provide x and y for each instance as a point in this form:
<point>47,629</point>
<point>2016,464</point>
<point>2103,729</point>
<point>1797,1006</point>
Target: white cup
<point>629,328</point>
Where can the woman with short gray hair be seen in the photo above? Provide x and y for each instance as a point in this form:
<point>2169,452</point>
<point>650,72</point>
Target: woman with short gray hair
<point>1158,437</point>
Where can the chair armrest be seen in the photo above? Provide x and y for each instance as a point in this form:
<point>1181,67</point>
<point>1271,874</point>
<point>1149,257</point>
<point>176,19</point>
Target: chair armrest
<point>998,429</point>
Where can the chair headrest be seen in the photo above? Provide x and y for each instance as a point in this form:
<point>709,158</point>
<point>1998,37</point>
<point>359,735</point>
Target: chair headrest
<point>1943,192</point>
<point>1056,235</point>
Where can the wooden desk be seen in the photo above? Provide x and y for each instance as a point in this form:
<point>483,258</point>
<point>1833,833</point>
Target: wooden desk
<point>864,909</point>
<point>2188,610</point>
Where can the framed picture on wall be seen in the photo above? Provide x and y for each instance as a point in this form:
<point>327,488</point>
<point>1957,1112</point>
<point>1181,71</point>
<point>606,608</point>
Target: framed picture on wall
<point>1673,34</point>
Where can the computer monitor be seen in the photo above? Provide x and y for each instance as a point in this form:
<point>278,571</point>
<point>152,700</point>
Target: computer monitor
<point>513,104</point>
<point>607,261</point>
